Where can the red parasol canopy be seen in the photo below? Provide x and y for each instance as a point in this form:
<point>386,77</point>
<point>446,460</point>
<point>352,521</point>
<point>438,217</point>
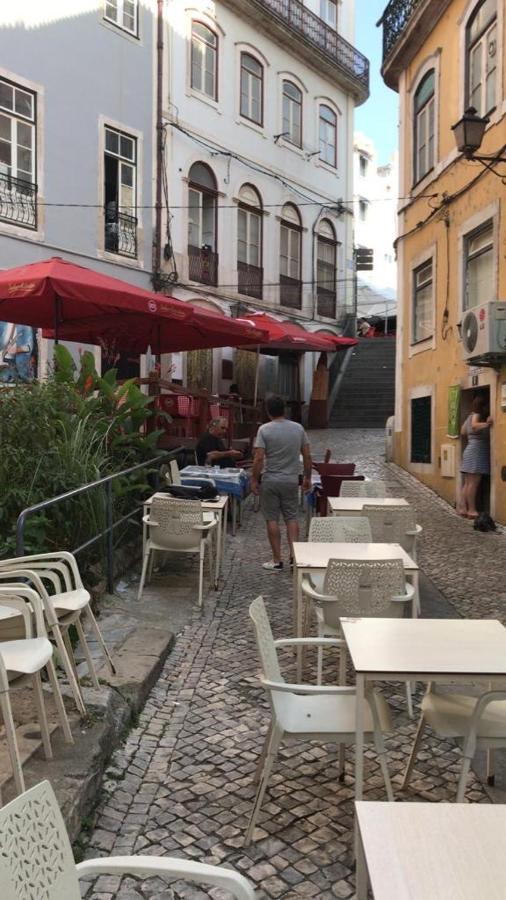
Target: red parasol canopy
<point>78,304</point>
<point>290,336</point>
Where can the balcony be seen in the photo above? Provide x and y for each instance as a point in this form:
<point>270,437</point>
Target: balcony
<point>290,292</point>
<point>292,25</point>
<point>326,303</point>
<point>406,26</point>
<point>203,265</point>
<point>18,201</point>
<point>250,280</point>
<point>121,234</point>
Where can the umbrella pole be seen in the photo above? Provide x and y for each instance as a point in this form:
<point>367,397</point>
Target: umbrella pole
<point>255,394</point>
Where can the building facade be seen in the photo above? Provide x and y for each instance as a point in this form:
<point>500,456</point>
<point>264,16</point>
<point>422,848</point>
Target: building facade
<point>444,56</point>
<point>76,150</point>
<point>258,153</point>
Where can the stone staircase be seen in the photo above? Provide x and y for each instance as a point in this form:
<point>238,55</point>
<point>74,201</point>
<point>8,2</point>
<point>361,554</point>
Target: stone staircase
<point>367,392</point>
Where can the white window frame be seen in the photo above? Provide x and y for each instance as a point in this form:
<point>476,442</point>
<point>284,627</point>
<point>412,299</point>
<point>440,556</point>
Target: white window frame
<point>119,21</point>
<point>467,228</point>
<point>249,79</point>
<point>198,42</point>
<point>292,105</point>
<point>422,121</point>
<point>323,143</point>
<point>33,123</point>
<point>328,12</point>
<point>124,128</point>
<point>471,256</point>
<point>248,214</point>
<point>483,42</point>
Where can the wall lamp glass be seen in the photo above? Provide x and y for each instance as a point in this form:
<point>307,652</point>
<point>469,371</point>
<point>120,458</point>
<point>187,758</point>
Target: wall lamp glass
<point>468,132</point>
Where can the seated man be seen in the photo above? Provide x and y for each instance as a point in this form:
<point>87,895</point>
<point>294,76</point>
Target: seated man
<point>211,450</point>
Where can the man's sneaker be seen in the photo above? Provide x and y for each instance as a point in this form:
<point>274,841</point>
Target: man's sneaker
<point>272,566</point>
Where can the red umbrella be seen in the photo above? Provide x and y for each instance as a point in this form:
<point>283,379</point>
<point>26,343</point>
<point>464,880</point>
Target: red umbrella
<point>288,335</point>
<point>79,304</point>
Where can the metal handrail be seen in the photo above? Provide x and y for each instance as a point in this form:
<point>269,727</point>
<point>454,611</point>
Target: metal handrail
<point>111,525</point>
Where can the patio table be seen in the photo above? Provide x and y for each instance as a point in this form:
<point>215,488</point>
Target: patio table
<point>212,509</point>
<point>439,650</point>
<point>353,506</point>
<point>441,851</point>
<point>313,556</point>
<point>233,482</point>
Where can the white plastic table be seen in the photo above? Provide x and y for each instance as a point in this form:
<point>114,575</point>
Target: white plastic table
<point>313,556</point>
<point>218,508</point>
<point>431,851</point>
<point>353,506</point>
<point>440,650</point>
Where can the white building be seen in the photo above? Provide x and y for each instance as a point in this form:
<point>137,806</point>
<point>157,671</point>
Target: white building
<point>259,128</point>
<point>375,206</point>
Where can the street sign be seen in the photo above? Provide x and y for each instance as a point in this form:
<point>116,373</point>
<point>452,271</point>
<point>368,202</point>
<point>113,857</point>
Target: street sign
<point>364,261</point>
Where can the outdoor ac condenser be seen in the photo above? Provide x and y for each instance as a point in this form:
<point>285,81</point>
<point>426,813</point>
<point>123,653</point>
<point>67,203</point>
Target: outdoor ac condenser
<point>484,330</point>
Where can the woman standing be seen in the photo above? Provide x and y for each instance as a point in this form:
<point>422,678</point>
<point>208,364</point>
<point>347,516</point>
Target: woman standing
<point>476,456</point>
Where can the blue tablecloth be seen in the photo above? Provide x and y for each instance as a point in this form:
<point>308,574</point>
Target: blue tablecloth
<point>227,481</point>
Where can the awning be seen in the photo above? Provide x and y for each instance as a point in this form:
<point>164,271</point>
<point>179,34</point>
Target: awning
<point>74,303</point>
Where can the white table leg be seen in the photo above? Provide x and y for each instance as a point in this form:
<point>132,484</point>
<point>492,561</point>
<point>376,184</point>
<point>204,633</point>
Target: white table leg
<point>297,615</point>
<point>359,743</point>
<point>234,514</point>
<point>361,877</point>
<point>218,550</point>
<point>224,515</point>
<point>145,511</point>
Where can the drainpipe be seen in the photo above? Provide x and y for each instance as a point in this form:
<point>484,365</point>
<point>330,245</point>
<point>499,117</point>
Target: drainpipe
<point>157,237</point>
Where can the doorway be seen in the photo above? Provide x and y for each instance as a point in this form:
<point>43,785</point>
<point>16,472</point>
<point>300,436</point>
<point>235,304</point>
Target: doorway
<point>466,401</point>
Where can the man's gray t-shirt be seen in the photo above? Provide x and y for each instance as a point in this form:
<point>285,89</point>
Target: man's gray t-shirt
<point>282,441</point>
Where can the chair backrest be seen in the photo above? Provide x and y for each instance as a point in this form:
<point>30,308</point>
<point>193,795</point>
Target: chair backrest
<point>363,588</point>
<point>389,524</point>
<point>351,529</point>
<point>175,477</point>
<point>36,858</point>
<point>371,488</point>
<point>175,522</point>
<point>328,468</point>
<point>187,406</point>
<point>265,640</point>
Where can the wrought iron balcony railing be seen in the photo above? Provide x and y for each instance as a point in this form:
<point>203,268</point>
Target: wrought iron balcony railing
<point>202,265</point>
<point>290,292</point>
<point>250,280</point>
<point>121,235</point>
<point>326,303</point>
<point>18,201</point>
<point>325,39</point>
<point>394,20</point>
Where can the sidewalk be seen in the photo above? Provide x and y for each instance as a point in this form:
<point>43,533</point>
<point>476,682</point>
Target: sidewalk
<point>182,782</point>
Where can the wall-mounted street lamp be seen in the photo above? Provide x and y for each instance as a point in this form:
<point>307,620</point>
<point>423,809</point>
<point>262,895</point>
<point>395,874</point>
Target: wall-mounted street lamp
<point>469,131</point>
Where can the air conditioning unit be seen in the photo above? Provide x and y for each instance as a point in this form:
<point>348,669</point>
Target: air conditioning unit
<point>483,330</point>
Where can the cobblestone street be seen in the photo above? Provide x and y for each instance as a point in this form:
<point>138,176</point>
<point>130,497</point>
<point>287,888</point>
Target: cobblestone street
<point>182,783</point>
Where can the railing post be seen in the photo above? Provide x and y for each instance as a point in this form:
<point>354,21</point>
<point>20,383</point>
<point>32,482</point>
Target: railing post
<point>110,540</point>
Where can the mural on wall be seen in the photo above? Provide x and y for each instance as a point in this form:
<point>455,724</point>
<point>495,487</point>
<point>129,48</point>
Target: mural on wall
<point>18,353</point>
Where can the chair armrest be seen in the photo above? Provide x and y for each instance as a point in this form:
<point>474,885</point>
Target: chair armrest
<point>403,598</point>
<point>206,527</point>
<point>309,590</point>
<point>481,704</point>
<point>317,642</point>
<point>149,521</point>
<point>316,689</point>
<point>416,531</point>
<point>199,873</point>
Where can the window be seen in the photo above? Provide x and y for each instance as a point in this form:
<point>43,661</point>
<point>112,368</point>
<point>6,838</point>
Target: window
<point>326,264</point>
<point>18,190</point>
<point>421,428</point>
<point>363,164</point>
<point>363,208</point>
<point>292,113</point>
<point>328,12</point>
<point>328,135</point>
<point>120,193</point>
<point>481,57</point>
<point>290,257</point>
<point>202,225</point>
<point>424,127</point>
<point>204,60</point>
<point>252,73</point>
<point>124,14</point>
<point>479,266</point>
<point>422,302</point>
<point>249,242</point>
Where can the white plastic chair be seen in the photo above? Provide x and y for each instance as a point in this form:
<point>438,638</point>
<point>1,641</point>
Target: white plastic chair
<point>372,488</point>
<point>349,529</point>
<point>36,860</point>
<point>352,588</point>
<point>475,723</point>
<point>173,476</point>
<point>178,526</point>
<point>393,525</point>
<point>22,660</point>
<point>56,578</point>
<point>309,712</point>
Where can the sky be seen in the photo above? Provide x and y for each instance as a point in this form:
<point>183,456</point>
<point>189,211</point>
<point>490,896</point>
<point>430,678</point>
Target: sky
<point>377,117</point>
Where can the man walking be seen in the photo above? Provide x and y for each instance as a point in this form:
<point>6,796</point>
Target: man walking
<point>278,446</point>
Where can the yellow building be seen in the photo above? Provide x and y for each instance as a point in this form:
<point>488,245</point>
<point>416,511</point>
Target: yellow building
<point>443,57</point>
